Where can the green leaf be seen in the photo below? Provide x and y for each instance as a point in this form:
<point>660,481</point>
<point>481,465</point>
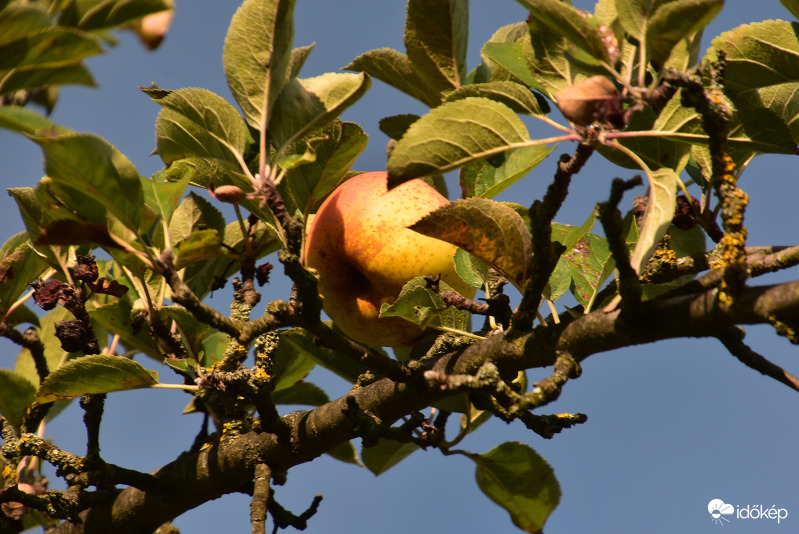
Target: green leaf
<point>590,263</point>
<point>290,366</point>
<point>116,318</point>
<point>436,37</point>
<point>792,6</point>
<point>489,230</point>
<point>488,178</point>
<point>675,21</point>
<point>472,270</point>
<point>635,15</point>
<point>298,57</point>
<point>783,100</point>
<point>511,57</point>
<point>518,479</point>
<point>16,394</point>
<point>424,308</point>
<point>194,213</point>
<point>53,353</point>
<point>20,20</point>
<point>345,452</point>
<point>665,150</point>
<point>305,187</point>
<point>759,54</point>
<point>660,207</point>
<point>39,77</point>
<point>19,266</point>
<point>302,393</point>
<point>164,197</point>
<point>199,245</point>
<point>456,134</point>
<point>305,105</point>
<point>303,343</point>
<point>395,69</point>
<point>385,455</point>
<point>257,55</point>
<point>91,167</point>
<point>517,97</point>
<point>52,47</point>
<point>565,20</point>
<point>197,122</point>
<point>94,374</point>
<point>107,14</point>
<point>560,281</point>
<point>26,121</point>
<point>395,126</point>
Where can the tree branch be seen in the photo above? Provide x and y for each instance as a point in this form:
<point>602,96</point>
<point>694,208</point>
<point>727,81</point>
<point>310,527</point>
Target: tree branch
<point>197,477</point>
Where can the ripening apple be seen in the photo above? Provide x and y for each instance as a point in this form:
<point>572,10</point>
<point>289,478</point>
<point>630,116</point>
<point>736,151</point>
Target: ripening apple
<point>360,244</point>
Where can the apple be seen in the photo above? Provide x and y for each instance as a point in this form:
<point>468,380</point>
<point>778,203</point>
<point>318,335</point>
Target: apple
<point>360,245</point>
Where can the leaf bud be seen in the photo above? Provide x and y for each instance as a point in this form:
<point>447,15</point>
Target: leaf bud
<point>232,194</point>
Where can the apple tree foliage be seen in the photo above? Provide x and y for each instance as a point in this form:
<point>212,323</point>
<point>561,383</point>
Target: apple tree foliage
<point>121,263</point>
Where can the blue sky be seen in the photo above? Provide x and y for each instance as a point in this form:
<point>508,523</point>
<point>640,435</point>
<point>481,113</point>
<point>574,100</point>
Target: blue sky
<point>671,426</point>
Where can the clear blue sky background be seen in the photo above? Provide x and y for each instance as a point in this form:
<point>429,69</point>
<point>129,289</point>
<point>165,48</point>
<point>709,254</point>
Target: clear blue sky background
<point>671,426</point>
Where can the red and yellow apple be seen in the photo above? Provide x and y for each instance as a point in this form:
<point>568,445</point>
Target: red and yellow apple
<point>360,245</point>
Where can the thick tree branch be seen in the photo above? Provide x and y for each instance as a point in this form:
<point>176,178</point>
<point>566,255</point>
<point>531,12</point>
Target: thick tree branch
<point>226,466</point>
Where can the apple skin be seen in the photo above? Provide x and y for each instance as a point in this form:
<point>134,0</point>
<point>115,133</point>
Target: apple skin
<point>364,253</point>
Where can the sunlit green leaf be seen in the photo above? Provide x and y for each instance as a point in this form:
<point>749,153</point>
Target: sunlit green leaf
<point>304,187</point>
<point>455,134</point>
<point>197,122</point>
<point>257,55</point>
<point>94,374</point>
<point>16,394</point>
<point>488,178</point>
<point>424,308</point>
<point>305,105</point>
<point>759,54</point>
<point>659,212</point>
<point>436,36</point>
<point>565,20</point>
<point>395,69</point>
<point>90,166</point>
<point>674,21</point>
<point>19,266</point>
<point>471,270</point>
<point>510,56</point>
<point>517,97</point>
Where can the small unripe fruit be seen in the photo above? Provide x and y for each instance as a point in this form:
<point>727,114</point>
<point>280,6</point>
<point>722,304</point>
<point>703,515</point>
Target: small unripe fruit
<point>587,101</point>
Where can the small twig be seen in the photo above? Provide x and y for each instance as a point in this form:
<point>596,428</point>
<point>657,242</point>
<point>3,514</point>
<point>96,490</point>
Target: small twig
<point>368,357</point>
<point>260,498</point>
<point>545,252</point>
<point>284,519</point>
<point>628,283</point>
<point>733,339</point>
<point>93,407</point>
